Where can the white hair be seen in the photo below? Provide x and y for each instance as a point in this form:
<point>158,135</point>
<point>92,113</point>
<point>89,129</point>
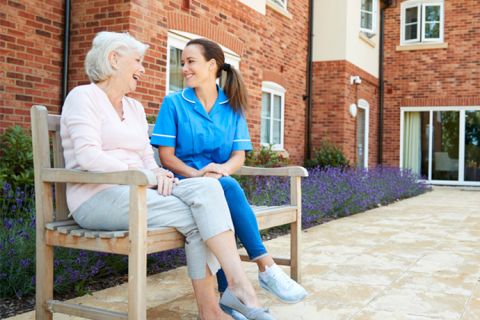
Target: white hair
<point>97,65</point>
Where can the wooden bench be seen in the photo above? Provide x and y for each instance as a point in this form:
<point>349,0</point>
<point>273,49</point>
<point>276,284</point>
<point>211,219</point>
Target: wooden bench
<point>55,229</point>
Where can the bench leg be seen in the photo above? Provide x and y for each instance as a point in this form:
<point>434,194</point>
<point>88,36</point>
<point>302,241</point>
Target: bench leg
<point>295,241</point>
<point>43,279</point>
<point>137,257</point>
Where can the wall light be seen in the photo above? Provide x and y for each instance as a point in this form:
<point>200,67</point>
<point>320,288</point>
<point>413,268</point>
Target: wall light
<point>353,110</point>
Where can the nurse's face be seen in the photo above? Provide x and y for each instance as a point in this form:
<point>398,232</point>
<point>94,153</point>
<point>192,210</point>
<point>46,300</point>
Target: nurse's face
<point>196,70</point>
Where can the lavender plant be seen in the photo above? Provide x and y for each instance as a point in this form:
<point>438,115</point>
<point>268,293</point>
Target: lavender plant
<point>338,192</point>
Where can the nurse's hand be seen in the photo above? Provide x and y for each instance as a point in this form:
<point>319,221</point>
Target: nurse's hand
<point>215,168</point>
<point>212,175</point>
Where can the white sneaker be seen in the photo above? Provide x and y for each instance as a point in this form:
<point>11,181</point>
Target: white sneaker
<point>275,281</point>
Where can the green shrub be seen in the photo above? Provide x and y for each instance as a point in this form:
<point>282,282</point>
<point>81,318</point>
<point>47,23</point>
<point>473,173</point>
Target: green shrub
<point>265,157</point>
<point>16,159</point>
<point>328,155</point>
<point>151,119</point>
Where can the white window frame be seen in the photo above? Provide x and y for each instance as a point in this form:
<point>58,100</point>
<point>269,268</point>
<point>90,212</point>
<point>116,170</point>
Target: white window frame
<point>363,104</point>
<point>280,3</point>
<point>179,39</point>
<point>461,136</point>
<point>374,13</point>
<point>421,7</point>
<point>274,88</point>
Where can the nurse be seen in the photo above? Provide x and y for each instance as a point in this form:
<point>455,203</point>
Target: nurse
<point>202,132</point>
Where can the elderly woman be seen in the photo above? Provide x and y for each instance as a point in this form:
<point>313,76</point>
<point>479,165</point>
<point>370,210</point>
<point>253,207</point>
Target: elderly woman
<point>103,129</point>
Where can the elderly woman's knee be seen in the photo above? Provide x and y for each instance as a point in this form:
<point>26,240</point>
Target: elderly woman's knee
<point>210,185</point>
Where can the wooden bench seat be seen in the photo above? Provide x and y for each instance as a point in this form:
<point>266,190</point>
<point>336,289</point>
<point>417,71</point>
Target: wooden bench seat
<point>54,229</point>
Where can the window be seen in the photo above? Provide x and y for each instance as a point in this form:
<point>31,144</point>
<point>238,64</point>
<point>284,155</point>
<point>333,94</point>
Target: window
<point>273,101</point>
<point>281,3</point>
<point>368,16</point>
<point>176,42</point>
<point>422,21</point>
<point>362,127</point>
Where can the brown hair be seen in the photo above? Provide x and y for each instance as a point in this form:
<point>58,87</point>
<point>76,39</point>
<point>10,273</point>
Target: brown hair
<point>234,87</point>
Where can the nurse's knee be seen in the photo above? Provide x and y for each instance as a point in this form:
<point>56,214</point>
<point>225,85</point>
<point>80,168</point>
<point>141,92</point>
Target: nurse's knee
<point>230,185</point>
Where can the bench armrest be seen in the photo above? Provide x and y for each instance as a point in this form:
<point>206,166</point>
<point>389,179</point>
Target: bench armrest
<point>136,177</point>
<point>293,171</point>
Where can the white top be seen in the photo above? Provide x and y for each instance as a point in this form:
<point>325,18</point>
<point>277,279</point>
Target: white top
<point>94,138</point>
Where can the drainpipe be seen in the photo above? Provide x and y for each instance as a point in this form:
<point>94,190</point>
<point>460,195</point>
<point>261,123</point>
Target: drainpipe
<point>308,96</point>
<point>387,3</point>
<point>66,47</point>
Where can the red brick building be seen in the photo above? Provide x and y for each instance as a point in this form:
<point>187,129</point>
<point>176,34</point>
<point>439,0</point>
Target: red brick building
<point>425,117</point>
<point>432,101</point>
<point>266,39</point>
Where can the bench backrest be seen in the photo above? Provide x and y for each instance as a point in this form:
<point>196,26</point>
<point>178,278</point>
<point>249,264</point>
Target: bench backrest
<point>48,151</point>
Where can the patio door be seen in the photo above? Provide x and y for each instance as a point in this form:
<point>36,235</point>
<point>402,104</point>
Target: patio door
<point>441,144</point>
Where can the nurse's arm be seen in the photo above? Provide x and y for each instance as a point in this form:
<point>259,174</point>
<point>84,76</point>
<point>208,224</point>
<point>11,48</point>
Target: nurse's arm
<point>170,161</point>
<point>237,159</point>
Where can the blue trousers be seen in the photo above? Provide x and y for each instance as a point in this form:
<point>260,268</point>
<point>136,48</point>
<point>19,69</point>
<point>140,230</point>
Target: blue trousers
<point>244,221</point>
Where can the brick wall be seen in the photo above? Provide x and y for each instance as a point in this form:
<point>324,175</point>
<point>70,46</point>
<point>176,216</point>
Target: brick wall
<point>435,77</point>
<point>332,96</point>
<point>270,44</point>
<point>31,42</point>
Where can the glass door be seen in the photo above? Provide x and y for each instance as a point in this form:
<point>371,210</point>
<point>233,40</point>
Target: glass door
<point>442,146</point>
<point>445,145</point>
<point>472,146</point>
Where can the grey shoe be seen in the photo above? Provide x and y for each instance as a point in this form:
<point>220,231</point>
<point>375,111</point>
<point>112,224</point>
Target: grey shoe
<point>229,300</point>
<point>233,313</point>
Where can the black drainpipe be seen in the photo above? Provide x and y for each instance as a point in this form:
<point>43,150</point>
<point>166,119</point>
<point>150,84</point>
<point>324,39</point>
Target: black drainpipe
<point>308,96</point>
<point>66,47</point>
<point>381,92</point>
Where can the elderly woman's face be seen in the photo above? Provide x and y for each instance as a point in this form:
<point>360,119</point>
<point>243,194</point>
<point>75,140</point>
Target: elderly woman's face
<point>130,70</point>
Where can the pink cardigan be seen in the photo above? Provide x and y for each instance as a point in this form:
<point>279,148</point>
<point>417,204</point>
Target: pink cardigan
<point>94,138</point>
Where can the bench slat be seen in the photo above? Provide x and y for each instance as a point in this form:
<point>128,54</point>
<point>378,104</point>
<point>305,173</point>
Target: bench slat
<point>56,224</point>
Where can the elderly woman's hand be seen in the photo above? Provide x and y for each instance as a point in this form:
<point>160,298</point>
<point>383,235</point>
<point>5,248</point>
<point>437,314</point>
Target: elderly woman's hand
<point>165,181</point>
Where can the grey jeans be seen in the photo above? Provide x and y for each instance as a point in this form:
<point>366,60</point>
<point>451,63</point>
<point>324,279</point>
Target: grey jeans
<point>196,208</point>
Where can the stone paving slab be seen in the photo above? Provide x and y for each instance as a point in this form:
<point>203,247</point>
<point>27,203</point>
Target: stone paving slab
<point>416,259</point>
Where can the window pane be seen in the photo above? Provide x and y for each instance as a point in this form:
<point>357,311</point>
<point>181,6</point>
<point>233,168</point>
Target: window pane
<point>411,15</point>
<point>366,21</point>
<point>432,30</point>
<point>367,5</point>
<point>277,131</point>
<point>415,142</point>
<point>472,146</point>
<point>281,3</point>
<point>411,32</point>
<point>446,129</point>
<point>265,131</point>
<point>265,105</point>
<point>432,13</point>
<point>277,107</point>
<point>176,81</point>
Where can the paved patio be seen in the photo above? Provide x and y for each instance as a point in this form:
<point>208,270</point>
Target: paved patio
<point>417,259</point>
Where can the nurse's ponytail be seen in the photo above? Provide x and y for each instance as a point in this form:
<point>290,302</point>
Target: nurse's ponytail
<point>234,87</point>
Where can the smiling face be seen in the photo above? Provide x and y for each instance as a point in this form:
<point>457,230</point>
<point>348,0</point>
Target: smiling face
<point>196,70</point>
<point>129,67</point>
